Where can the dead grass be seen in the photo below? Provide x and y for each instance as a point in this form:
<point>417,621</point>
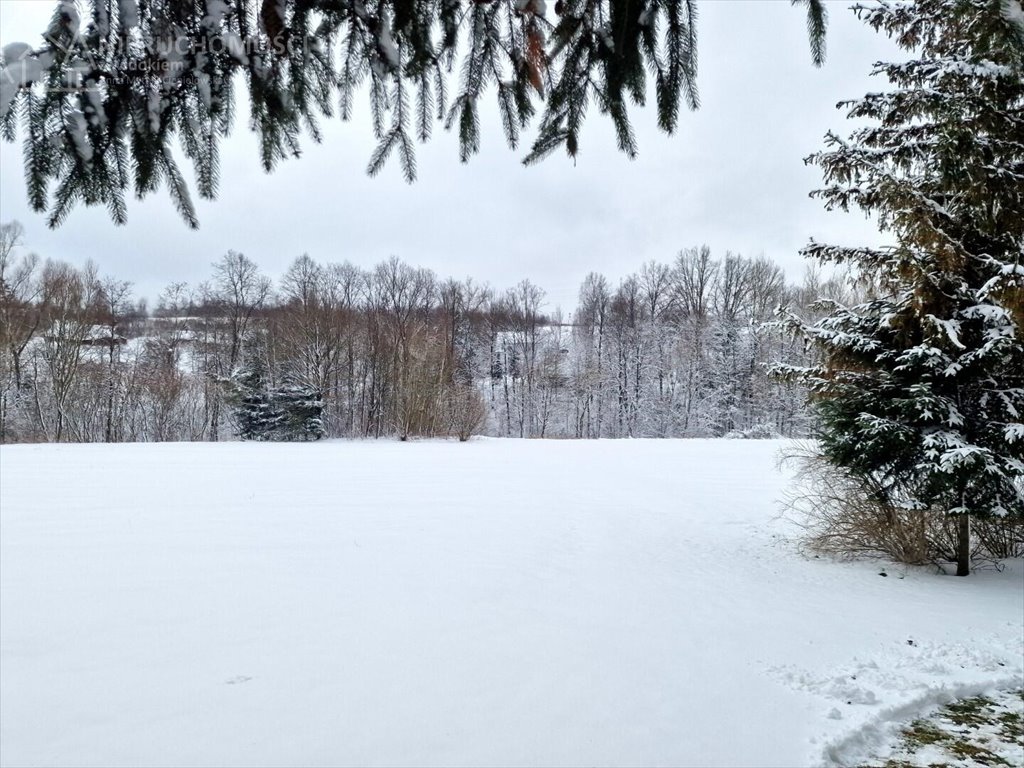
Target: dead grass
<point>976,732</point>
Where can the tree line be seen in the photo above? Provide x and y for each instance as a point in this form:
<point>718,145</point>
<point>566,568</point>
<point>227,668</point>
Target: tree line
<point>677,349</point>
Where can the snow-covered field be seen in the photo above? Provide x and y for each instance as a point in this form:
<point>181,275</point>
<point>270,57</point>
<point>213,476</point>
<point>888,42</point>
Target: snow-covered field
<point>497,602</point>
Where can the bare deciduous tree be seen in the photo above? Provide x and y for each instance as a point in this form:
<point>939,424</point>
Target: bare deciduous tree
<point>21,313</point>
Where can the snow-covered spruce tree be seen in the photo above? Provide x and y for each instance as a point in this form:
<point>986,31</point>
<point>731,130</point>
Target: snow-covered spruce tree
<point>920,393</point>
<point>117,83</point>
<point>291,412</point>
<point>300,413</point>
<point>255,415</point>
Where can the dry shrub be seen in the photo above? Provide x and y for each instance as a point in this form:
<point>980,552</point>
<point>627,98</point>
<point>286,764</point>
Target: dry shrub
<point>468,411</point>
<point>420,387</point>
<point>430,401</point>
<point>846,516</point>
<point>992,538</point>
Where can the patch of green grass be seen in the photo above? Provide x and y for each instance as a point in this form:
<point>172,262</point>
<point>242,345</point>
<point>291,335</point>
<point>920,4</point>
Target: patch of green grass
<point>922,732</point>
<point>1011,727</point>
<point>970,712</point>
<point>956,731</point>
<point>963,749</point>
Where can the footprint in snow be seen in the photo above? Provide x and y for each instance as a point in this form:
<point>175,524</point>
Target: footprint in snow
<point>237,680</point>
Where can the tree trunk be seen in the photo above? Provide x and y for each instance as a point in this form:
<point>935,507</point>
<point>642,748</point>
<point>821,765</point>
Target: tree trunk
<point>108,432</point>
<point>963,545</point>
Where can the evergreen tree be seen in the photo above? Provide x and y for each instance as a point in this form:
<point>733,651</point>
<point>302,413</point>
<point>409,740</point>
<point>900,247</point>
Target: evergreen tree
<point>292,412</point>
<point>256,417</point>
<point>920,394</point>
<point>103,101</point>
<point>300,412</point>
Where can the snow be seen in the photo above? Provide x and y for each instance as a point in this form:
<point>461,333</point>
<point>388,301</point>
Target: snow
<point>535,7</point>
<point>216,10</point>
<point>128,13</point>
<point>512,602</point>
<point>20,70</point>
<point>879,740</point>
<point>72,21</point>
<point>16,52</point>
<point>78,130</point>
<point>1013,12</point>
<point>155,106</point>
<point>951,328</point>
<point>102,19</point>
<point>95,106</point>
<point>387,44</point>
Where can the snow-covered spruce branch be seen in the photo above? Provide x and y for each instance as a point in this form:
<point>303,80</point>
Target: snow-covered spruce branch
<point>108,92</point>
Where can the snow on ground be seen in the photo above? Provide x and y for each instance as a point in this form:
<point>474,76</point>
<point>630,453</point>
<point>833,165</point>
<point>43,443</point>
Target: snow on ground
<point>500,602</point>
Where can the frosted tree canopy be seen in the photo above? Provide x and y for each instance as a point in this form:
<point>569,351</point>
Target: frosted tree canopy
<point>119,90</point>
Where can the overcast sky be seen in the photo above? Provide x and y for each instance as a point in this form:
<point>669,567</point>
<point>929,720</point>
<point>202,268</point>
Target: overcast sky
<point>731,177</point>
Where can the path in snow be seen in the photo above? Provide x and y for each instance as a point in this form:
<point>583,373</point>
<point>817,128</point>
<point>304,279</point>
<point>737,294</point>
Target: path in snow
<point>973,732</point>
<point>496,602</point>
